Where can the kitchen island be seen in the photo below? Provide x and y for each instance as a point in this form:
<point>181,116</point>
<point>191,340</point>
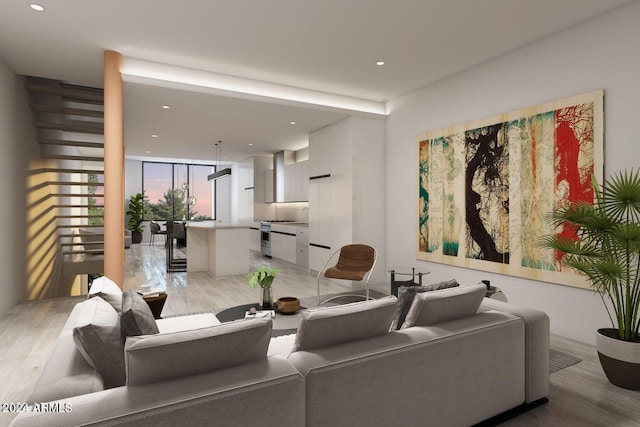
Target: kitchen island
<point>219,248</point>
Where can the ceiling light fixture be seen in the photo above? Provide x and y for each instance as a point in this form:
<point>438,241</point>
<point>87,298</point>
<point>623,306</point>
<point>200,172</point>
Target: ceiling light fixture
<point>37,7</point>
<point>166,107</point>
<point>219,173</point>
<point>380,63</point>
<point>154,136</point>
<point>251,144</point>
<point>292,122</point>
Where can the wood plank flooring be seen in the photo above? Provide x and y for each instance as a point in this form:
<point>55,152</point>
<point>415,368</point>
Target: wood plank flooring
<point>580,394</point>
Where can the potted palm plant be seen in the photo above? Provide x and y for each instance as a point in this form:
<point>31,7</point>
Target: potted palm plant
<point>135,217</point>
<point>607,251</point>
<point>264,278</point>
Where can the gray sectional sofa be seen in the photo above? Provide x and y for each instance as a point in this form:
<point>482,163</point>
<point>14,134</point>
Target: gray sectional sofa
<point>342,368</point>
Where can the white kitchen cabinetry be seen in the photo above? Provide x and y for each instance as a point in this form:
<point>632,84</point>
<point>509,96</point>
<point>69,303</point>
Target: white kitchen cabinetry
<point>302,246</point>
<point>296,183</point>
<point>269,190</point>
<point>320,143</point>
<point>255,237</point>
<point>283,242</point>
<point>346,184</point>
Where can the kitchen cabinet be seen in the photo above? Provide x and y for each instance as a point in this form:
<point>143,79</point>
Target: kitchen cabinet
<point>302,246</point>
<point>254,237</point>
<point>269,190</point>
<point>283,242</point>
<point>296,183</point>
<point>346,177</point>
<point>320,143</point>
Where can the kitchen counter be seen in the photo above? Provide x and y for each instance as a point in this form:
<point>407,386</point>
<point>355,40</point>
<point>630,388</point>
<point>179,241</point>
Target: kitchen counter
<point>217,247</point>
<point>217,225</point>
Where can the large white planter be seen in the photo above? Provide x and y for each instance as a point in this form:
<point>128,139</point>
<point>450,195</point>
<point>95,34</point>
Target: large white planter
<point>620,360</point>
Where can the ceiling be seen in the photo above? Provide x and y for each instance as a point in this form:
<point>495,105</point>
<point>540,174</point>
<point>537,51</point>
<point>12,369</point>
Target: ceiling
<point>328,46</point>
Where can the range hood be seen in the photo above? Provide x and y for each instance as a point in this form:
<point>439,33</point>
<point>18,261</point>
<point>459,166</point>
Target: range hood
<point>280,159</point>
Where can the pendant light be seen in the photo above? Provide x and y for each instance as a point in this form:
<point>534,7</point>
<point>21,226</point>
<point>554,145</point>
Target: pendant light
<point>219,173</point>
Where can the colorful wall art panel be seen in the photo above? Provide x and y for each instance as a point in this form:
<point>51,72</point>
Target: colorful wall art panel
<point>485,187</point>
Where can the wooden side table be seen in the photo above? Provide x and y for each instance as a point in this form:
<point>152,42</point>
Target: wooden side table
<point>156,303</point>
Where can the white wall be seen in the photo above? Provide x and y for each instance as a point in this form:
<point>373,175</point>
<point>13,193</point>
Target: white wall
<point>602,53</point>
<point>17,143</point>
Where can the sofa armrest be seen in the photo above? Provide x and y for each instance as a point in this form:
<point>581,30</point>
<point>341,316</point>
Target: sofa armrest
<point>243,395</point>
<point>536,325</point>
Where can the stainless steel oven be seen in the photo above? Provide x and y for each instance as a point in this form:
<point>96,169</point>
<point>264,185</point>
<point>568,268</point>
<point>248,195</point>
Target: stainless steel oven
<point>265,238</point>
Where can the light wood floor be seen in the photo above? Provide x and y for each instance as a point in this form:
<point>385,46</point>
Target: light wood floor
<point>580,395</point>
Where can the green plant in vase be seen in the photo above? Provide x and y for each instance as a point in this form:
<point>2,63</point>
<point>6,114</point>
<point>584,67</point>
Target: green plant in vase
<point>135,212</point>
<point>606,249</point>
<point>263,277</point>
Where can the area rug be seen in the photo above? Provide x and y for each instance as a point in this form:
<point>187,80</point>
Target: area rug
<point>559,360</point>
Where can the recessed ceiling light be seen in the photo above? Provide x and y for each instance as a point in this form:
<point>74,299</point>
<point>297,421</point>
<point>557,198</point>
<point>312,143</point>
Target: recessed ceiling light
<point>250,143</point>
<point>154,136</point>
<point>380,63</point>
<point>166,107</point>
<point>292,122</point>
<point>37,7</point>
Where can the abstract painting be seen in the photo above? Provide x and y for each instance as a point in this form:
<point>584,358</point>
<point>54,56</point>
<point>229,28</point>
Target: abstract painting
<point>485,187</point>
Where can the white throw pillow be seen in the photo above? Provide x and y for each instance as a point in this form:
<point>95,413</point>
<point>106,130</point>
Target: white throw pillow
<point>433,307</point>
<point>159,357</point>
<point>97,337</point>
<point>107,289</point>
<point>324,327</point>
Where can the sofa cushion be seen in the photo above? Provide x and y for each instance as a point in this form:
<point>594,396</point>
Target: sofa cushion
<point>137,318</point>
<point>406,294</point>
<point>107,289</point>
<point>429,308</point>
<point>97,338</point>
<point>152,358</point>
<point>327,326</point>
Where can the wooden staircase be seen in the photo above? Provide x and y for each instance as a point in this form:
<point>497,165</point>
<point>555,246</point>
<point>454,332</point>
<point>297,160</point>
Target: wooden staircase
<point>69,120</point>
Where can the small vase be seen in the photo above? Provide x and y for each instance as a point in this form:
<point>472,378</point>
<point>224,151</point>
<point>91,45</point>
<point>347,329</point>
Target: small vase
<point>265,298</point>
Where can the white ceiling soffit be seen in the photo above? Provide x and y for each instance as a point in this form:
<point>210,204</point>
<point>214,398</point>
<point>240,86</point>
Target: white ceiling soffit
<point>147,72</point>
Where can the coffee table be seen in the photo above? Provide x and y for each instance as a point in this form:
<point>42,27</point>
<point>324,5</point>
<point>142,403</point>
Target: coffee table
<point>283,324</point>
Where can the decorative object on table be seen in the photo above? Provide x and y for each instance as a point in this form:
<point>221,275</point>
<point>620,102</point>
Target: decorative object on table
<point>136,206</point>
<point>484,186</point>
<point>288,305</point>
<point>264,278</point>
<point>262,314</point>
<point>602,242</point>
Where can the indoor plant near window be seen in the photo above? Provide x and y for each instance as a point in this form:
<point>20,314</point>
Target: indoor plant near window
<point>135,217</point>
<point>264,277</point>
<point>607,251</point>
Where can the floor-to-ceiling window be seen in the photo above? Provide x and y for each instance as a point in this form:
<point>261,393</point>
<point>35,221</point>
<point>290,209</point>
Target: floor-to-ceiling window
<point>177,191</point>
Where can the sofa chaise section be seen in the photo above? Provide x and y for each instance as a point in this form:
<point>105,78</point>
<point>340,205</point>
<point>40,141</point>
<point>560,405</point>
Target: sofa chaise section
<point>456,373</point>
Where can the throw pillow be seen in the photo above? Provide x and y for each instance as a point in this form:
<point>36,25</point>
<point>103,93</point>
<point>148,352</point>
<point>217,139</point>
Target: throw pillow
<point>107,289</point>
<point>439,306</point>
<point>406,294</point>
<point>324,327</point>
<point>97,338</point>
<point>160,357</point>
<point>137,318</point>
